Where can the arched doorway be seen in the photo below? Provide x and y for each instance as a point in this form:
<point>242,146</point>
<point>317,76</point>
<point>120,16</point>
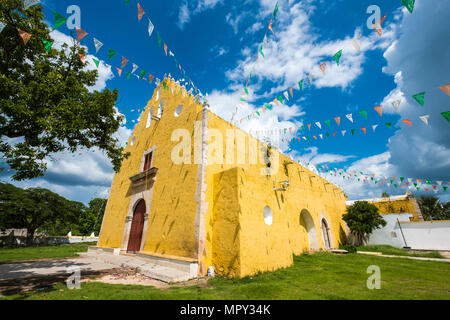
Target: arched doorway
<point>326,234</point>
<point>307,222</point>
<point>137,228</point>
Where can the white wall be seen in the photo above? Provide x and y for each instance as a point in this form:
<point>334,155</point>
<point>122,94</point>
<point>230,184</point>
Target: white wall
<point>429,235</point>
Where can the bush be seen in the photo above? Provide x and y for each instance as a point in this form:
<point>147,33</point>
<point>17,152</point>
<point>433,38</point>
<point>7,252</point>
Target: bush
<point>349,247</point>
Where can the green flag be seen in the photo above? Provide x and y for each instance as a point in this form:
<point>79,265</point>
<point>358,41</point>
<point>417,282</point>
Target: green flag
<point>246,90</point>
<point>143,72</point>
<point>328,135</point>
<point>402,178</point>
<point>47,44</point>
<point>409,4</point>
<point>446,115</point>
<point>257,113</point>
<point>159,38</point>
<point>59,20</point>
<point>128,2</point>
<point>268,106</point>
<point>337,56</point>
<point>260,50</point>
<point>281,99</point>
<point>300,84</point>
<point>328,123</point>
<point>128,75</point>
<point>389,125</point>
<point>420,98</point>
<point>275,11</point>
<point>445,188</point>
<point>96,62</point>
<point>111,54</point>
<point>363,113</point>
<point>353,132</point>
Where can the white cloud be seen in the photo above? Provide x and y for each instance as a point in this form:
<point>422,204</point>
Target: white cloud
<point>191,8</point>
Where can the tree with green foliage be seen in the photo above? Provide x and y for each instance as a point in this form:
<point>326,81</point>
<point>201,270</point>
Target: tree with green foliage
<point>363,218</point>
<point>46,101</point>
<point>385,195</point>
<point>433,209</point>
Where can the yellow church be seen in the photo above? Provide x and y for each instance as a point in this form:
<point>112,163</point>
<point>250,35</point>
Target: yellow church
<point>198,190</point>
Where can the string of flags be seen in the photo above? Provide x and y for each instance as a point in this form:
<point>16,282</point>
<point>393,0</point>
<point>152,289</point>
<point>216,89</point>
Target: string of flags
<point>409,4</point>
<point>260,52</point>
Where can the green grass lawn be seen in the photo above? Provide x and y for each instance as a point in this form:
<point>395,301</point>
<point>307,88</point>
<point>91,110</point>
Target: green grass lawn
<point>389,250</point>
<point>43,252</point>
<point>317,276</point>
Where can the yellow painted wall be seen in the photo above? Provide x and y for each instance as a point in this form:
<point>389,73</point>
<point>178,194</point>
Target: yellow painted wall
<point>172,214</point>
<point>397,206</point>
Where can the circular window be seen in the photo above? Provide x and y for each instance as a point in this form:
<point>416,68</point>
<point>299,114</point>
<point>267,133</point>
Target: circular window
<point>268,219</point>
<point>178,111</point>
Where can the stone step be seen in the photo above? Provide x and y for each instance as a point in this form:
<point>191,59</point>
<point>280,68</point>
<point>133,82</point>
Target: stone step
<point>142,266</point>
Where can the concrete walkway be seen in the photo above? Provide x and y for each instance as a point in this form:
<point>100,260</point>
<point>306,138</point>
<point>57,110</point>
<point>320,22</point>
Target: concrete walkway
<point>379,254</point>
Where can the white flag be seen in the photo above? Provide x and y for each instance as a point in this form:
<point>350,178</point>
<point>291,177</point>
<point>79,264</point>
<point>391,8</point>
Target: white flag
<point>356,43</point>
<point>30,3</point>
<point>286,94</point>
<point>319,125</point>
<point>265,40</point>
<point>2,26</point>
<point>321,136</point>
<point>396,104</point>
<point>424,119</point>
<point>374,127</point>
<point>439,183</point>
<point>343,132</point>
<point>98,45</point>
<point>349,117</point>
<point>310,76</point>
<point>135,67</point>
<point>151,27</point>
<point>170,53</point>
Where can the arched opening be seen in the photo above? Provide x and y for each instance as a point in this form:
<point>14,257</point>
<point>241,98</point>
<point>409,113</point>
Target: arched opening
<point>326,234</point>
<point>137,228</point>
<point>149,118</point>
<point>307,222</point>
<point>161,108</point>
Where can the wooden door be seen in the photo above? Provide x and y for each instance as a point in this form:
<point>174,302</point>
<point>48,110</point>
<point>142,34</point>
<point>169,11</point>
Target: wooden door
<point>326,234</point>
<point>137,228</point>
<point>148,161</point>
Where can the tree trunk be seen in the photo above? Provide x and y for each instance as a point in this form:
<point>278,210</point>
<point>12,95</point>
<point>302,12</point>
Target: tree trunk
<point>30,237</point>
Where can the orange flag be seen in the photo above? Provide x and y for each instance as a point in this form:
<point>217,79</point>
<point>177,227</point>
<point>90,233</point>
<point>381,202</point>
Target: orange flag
<point>292,94</point>
<point>24,35</point>
<point>408,122</point>
<point>309,127</point>
<point>446,89</point>
<point>379,109</point>
<point>364,130</point>
<point>323,66</point>
<point>141,12</point>
<point>165,48</point>
<point>82,57</point>
<point>270,26</point>
<point>119,71</point>
<point>315,137</point>
<point>338,120</point>
<point>334,134</point>
<point>80,34</point>
<point>124,62</point>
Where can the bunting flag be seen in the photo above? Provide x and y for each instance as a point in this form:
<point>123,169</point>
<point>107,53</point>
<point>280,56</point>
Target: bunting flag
<point>409,4</point>
<point>420,98</point>
<point>97,45</point>
<point>446,115</point>
<point>151,27</point>
<point>338,120</point>
<point>119,71</point>
<point>408,122</point>
<point>82,57</point>
<point>363,130</point>
<point>143,72</point>
<point>141,12</point>
<point>353,131</point>
<point>270,26</point>
<point>165,48</point>
<point>425,119</point>
<point>300,85</point>
<point>111,54</point>
<point>29,3</point>
<point>135,67</point>
<point>47,44</point>
<point>24,35</point>
<point>396,104</point>
<point>445,88</point>
<point>389,125</point>
<point>337,56</point>
<point>128,75</point>
<point>374,127</point>
<point>159,39</point>
<point>343,132</point>
<point>363,113</point>
<point>275,11</point>
<point>97,62</point>
<point>322,67</point>
<point>309,126</point>
<point>150,78</point>
<point>59,20</point>
<point>356,43</point>
<point>328,123</point>
<point>377,25</point>
<point>319,125</point>
<point>80,34</point>
<point>124,62</point>
<point>292,92</point>
<point>349,117</point>
<point>260,51</point>
<point>286,95</point>
<point>379,109</point>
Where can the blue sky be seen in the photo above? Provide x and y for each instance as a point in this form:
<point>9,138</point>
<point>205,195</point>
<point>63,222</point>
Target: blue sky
<point>216,42</point>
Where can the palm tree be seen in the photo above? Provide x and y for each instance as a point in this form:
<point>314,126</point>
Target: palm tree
<point>431,207</point>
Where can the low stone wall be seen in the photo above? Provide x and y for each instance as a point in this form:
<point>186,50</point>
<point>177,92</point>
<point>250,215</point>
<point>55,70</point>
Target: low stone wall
<point>13,241</point>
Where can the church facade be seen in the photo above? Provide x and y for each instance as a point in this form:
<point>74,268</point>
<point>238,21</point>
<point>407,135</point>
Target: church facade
<point>197,189</point>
